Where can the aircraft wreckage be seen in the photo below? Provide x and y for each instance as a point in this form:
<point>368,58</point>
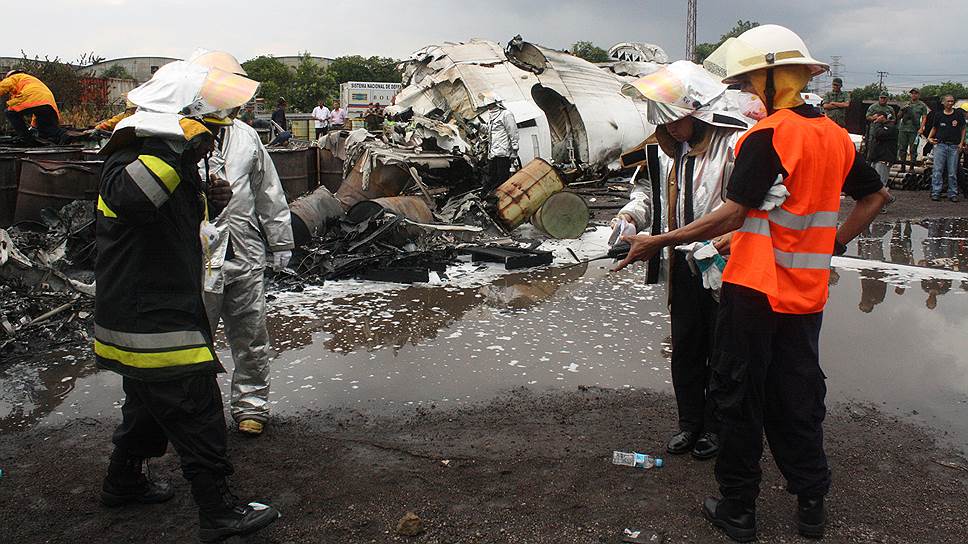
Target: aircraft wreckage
<point>569,111</point>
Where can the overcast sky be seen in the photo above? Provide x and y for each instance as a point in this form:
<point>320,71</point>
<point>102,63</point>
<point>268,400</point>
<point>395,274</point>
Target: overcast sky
<point>914,44</point>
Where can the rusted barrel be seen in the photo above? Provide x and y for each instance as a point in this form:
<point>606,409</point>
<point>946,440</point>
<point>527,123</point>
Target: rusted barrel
<point>412,207</point>
<point>293,169</point>
<point>312,167</point>
<point>330,170</point>
<point>56,154</point>
<point>9,180</point>
<point>385,180</point>
<point>312,213</point>
<point>54,184</point>
<point>563,215</point>
<point>519,197</point>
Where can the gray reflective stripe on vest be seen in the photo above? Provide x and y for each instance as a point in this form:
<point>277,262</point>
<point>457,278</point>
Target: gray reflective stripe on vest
<point>756,225</point>
<point>153,340</point>
<point>147,183</point>
<point>819,261</point>
<point>802,222</point>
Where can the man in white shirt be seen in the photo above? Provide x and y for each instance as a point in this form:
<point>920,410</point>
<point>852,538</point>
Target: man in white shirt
<point>338,116</point>
<point>321,115</point>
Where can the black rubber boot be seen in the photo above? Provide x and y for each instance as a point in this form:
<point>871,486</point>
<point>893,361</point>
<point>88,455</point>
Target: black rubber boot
<point>127,484</point>
<point>737,521</point>
<point>220,513</point>
<point>811,518</point>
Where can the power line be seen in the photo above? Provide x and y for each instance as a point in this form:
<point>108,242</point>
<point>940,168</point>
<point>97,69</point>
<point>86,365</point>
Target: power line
<point>691,30</point>
<point>880,81</point>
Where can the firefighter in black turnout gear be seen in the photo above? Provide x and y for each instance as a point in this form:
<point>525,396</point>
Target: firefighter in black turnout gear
<point>150,322</point>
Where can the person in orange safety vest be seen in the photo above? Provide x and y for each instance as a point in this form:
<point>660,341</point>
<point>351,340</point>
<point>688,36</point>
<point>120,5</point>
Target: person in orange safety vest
<point>27,96</point>
<point>783,197</point>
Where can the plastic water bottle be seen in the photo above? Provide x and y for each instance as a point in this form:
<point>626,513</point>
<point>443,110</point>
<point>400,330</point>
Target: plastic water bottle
<point>635,459</point>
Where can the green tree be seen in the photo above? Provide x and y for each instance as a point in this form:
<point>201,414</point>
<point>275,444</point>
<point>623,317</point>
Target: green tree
<point>276,78</point>
<point>705,49</point>
<point>359,68</point>
<point>956,90</point>
<point>310,83</point>
<point>589,52</point>
<point>118,72</point>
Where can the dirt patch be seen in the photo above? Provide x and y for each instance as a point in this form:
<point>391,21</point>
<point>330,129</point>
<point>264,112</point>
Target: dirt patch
<point>523,468</point>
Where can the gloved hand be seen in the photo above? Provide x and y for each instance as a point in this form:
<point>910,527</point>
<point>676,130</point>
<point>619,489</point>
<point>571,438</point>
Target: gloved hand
<point>711,265</point>
<point>280,259</point>
<point>621,226</point>
<point>776,196</point>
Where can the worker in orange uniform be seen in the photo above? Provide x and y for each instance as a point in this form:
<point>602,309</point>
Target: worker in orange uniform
<point>766,368</point>
<point>28,96</point>
<point>106,127</point>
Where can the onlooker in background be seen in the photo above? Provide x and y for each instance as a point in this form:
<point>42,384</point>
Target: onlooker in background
<point>279,118</point>
<point>28,96</point>
<point>947,133</point>
<point>836,102</point>
<point>321,118</point>
<point>910,121</point>
<point>880,106</point>
<point>247,115</point>
<point>926,126</point>
<point>882,150</point>
<point>337,116</point>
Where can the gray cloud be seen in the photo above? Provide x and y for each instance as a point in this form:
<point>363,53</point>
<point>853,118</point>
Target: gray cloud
<point>915,44</point>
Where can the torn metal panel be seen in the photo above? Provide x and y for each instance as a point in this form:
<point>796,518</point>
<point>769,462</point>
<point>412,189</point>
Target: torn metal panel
<point>638,52</point>
<point>569,111</point>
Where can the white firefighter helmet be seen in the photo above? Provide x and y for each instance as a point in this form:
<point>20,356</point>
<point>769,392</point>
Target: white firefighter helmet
<point>765,46</point>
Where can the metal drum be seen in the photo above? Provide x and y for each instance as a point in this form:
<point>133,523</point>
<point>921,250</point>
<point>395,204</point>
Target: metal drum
<point>293,169</point>
<point>9,181</point>
<point>385,180</point>
<point>519,197</point>
<point>330,170</point>
<point>54,184</point>
<point>412,207</point>
<point>563,215</point>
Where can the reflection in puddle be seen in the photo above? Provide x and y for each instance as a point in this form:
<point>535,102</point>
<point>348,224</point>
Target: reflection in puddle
<point>893,339</point>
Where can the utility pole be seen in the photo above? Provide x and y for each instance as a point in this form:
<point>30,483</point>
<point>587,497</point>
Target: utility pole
<point>836,69</point>
<point>880,82</point>
<point>691,31</point>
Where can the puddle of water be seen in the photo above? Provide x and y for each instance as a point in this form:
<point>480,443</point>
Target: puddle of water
<point>936,243</point>
<point>895,340</point>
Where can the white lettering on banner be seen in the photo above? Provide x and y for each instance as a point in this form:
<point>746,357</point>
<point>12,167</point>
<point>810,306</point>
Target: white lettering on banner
<point>380,86</point>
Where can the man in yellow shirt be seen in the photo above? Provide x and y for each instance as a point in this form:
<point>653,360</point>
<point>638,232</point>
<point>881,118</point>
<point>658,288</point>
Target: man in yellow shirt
<point>28,96</point>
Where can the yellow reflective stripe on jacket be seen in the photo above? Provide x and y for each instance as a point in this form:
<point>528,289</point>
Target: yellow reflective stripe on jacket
<point>162,170</point>
<point>157,359</point>
<point>145,181</point>
<point>149,340</point>
<point>103,208</point>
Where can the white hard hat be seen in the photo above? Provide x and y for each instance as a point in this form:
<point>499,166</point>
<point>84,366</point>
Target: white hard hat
<point>765,46</point>
<point>217,59</point>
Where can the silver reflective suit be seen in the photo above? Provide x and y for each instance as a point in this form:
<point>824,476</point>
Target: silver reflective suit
<point>234,287</point>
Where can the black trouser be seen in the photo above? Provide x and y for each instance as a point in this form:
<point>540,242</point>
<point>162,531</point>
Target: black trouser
<point>320,131</point>
<point>766,376</point>
<point>186,412</point>
<point>498,171</point>
<point>693,311</point>
<point>48,125</point>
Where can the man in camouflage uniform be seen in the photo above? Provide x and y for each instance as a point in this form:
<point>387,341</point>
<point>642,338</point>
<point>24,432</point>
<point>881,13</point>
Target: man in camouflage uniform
<point>880,106</point>
<point>835,103</point>
<point>907,128</point>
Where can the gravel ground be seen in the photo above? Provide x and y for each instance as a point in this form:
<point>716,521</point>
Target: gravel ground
<point>523,468</point>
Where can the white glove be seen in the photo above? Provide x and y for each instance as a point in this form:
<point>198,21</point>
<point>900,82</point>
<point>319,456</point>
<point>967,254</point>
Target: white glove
<point>776,196</point>
<point>620,227</point>
<point>711,265</point>
<point>280,259</point>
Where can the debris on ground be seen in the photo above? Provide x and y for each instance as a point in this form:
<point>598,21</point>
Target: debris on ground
<point>410,525</point>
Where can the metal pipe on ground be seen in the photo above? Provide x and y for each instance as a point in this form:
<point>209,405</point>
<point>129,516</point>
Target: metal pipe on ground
<point>385,180</point>
<point>412,207</point>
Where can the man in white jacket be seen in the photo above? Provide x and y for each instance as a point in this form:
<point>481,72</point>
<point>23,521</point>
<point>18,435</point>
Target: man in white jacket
<point>234,285</point>
<point>698,123</point>
<point>502,149</point>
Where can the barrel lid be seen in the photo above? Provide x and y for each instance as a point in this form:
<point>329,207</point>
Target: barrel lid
<point>563,215</point>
